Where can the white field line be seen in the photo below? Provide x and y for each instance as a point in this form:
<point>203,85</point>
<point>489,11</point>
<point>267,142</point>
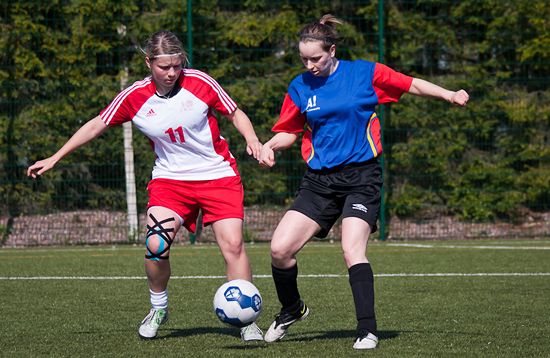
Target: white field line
<point>480,247</point>
<point>441,274</point>
<point>8,250</point>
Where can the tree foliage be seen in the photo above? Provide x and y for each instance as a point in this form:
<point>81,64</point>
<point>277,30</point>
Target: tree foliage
<point>62,62</point>
<point>483,161</point>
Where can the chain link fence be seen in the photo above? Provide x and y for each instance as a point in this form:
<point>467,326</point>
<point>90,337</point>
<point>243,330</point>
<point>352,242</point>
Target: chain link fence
<point>479,172</point>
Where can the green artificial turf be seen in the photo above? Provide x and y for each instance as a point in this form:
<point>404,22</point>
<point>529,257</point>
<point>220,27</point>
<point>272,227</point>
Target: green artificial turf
<point>449,298</point>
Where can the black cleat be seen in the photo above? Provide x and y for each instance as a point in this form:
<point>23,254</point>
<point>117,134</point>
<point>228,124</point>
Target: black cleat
<point>283,320</point>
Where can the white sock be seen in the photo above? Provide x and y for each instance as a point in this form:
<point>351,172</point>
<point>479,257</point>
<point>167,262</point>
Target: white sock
<point>159,299</point>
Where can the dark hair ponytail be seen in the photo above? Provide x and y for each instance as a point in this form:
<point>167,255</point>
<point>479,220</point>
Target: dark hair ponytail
<point>323,30</point>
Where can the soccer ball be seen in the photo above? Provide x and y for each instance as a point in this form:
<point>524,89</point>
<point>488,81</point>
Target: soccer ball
<point>238,303</point>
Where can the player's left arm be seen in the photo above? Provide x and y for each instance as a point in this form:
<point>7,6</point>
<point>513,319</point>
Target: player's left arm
<point>243,124</point>
<point>424,88</point>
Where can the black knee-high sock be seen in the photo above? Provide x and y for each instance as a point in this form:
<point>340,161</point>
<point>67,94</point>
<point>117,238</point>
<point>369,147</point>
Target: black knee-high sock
<point>361,280</point>
<point>287,287</point>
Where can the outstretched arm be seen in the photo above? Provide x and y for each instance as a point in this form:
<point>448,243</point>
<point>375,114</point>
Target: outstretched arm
<point>279,141</point>
<point>424,88</point>
<point>90,130</point>
<point>241,121</point>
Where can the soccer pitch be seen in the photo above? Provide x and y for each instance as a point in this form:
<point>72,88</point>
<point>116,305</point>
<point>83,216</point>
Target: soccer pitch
<point>462,298</point>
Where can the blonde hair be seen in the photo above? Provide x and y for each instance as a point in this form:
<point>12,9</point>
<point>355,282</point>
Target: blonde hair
<point>323,30</point>
<point>164,43</point>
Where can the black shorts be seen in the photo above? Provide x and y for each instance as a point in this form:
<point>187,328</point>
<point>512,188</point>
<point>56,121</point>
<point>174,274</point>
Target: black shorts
<point>350,191</point>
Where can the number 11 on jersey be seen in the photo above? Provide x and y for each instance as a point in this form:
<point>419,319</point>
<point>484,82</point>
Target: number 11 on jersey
<point>172,133</point>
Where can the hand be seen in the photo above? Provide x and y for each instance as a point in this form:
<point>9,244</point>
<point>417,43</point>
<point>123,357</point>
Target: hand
<point>267,157</point>
<point>254,148</point>
<point>40,167</point>
<point>460,98</point>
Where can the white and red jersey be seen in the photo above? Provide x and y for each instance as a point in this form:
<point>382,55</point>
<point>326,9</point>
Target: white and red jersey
<point>182,129</point>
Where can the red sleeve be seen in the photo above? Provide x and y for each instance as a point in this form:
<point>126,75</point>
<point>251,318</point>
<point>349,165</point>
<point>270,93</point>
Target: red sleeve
<point>208,90</point>
<point>126,104</point>
<point>389,84</point>
<point>291,120</point>
<point>117,116</point>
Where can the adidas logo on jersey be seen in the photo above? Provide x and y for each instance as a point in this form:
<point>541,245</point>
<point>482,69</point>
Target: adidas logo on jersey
<point>360,207</point>
<point>151,113</point>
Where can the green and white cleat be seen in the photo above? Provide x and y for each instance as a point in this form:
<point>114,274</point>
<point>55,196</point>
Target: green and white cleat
<point>151,323</point>
<point>252,333</point>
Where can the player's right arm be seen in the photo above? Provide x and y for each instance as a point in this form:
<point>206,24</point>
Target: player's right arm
<point>92,129</point>
<point>280,141</point>
<point>289,125</point>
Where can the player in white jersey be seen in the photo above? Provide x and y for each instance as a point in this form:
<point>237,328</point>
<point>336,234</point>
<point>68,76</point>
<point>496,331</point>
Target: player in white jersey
<point>194,169</point>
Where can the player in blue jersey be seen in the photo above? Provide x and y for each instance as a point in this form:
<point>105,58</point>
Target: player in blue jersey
<point>335,102</point>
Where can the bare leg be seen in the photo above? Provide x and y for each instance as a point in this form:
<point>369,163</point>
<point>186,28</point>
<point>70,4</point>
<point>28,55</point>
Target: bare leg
<point>293,232</point>
<point>229,236</point>
<point>158,272</point>
<point>355,236</point>
<point>162,226</point>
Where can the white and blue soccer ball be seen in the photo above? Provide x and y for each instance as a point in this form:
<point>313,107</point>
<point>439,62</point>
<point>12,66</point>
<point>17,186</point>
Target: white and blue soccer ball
<point>238,303</point>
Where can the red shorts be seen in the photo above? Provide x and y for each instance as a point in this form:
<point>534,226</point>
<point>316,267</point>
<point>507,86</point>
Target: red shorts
<point>218,199</point>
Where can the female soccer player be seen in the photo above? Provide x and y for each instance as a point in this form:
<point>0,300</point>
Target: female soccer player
<point>335,100</point>
<point>193,170</point>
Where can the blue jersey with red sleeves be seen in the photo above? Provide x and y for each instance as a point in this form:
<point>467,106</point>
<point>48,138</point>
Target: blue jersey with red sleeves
<point>337,112</point>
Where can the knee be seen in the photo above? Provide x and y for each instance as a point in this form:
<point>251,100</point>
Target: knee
<point>232,245</point>
<point>280,253</point>
<point>159,236</point>
<point>157,248</point>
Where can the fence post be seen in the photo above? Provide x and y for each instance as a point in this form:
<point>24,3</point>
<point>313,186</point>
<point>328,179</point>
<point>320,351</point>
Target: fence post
<point>130,176</point>
<point>131,199</point>
<point>192,237</point>
<point>381,118</point>
<point>190,32</point>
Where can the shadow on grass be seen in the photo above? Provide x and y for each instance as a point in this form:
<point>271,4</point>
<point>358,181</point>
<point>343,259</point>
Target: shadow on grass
<point>312,336</point>
<point>198,331</point>
<point>341,334</point>
<point>225,331</point>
